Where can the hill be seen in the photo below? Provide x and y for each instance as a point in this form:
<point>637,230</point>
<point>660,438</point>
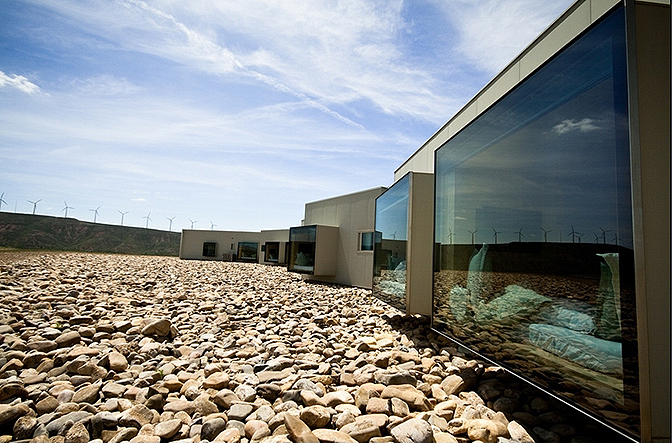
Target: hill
<point>26,231</point>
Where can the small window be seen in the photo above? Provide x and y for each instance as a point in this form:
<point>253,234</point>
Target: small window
<point>209,249</point>
<point>366,241</point>
<point>272,252</point>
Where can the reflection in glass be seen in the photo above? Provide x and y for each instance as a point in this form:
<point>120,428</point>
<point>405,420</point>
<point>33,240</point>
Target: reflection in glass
<point>389,256</point>
<point>272,252</point>
<point>534,234</point>
<point>209,249</point>
<point>247,251</point>
<point>302,249</point>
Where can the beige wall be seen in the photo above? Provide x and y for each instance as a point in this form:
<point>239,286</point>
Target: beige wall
<point>575,20</point>
<point>650,141</point>
<point>420,246</point>
<point>276,235</point>
<point>352,214</point>
<point>191,242</point>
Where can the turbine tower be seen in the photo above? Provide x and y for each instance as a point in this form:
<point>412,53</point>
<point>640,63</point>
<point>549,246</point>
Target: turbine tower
<point>546,234</point>
<point>520,235</point>
<point>66,209</point>
<point>170,226</point>
<point>495,234</point>
<point>2,201</point>
<point>95,213</point>
<point>122,216</point>
<point>34,204</point>
<point>572,234</point>
<point>472,235</point>
<point>212,226</point>
<point>192,223</point>
<point>147,220</point>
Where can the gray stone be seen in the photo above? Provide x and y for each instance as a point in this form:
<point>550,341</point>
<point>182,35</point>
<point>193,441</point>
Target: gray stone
<point>413,431</point>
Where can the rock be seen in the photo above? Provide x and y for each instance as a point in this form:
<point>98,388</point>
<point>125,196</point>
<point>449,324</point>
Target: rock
<point>298,431</point>
<point>87,394</point>
<point>413,431</point>
<point>77,434</point>
<point>228,436</point>
<point>212,428</point>
<point>217,380</point>
<point>518,433</point>
<point>117,362</point>
<point>159,328</point>
<point>8,414</point>
<point>68,339</point>
<point>487,431</point>
<point>136,417</point>
<point>315,416</point>
<point>453,384</point>
<point>333,436</point>
<point>168,428</point>
<point>412,396</point>
<point>335,398</point>
<point>361,431</point>
<point>24,427</point>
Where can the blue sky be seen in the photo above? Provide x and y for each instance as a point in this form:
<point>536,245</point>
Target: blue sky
<point>233,114</point>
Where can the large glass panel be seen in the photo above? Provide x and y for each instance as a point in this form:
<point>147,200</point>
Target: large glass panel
<point>247,251</point>
<point>389,256</point>
<point>533,230</point>
<point>302,249</point>
<point>272,252</point>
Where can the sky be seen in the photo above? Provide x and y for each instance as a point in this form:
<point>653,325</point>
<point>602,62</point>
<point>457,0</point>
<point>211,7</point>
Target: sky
<point>231,115</point>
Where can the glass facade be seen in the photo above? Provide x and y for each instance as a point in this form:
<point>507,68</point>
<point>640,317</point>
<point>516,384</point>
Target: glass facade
<point>391,238</point>
<point>247,251</point>
<point>534,263</point>
<point>272,252</point>
<point>302,241</point>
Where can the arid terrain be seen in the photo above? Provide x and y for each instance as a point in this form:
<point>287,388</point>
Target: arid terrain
<point>113,348</point>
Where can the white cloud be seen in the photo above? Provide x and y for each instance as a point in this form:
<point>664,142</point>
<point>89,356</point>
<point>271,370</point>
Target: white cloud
<point>584,125</point>
<point>492,32</point>
<point>18,82</point>
<point>105,84</point>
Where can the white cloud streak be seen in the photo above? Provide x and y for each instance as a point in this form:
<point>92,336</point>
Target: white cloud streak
<point>18,82</point>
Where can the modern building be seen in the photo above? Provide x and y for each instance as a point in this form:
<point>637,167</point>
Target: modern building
<point>552,216</point>
<point>266,247</point>
<point>335,242</point>
<point>404,242</point>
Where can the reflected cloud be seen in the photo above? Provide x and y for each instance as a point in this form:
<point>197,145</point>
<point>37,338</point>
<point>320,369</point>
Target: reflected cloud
<point>584,125</point>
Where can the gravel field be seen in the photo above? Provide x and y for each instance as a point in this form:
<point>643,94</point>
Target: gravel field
<point>114,348</point>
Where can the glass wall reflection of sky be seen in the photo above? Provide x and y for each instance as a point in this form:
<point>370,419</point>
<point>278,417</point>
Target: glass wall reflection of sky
<point>534,230</point>
<point>546,163</point>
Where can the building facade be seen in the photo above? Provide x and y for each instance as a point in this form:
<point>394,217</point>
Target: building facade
<point>266,247</point>
<point>335,242</point>
<point>551,215</point>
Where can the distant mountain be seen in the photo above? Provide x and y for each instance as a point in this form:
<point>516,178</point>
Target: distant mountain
<point>26,231</point>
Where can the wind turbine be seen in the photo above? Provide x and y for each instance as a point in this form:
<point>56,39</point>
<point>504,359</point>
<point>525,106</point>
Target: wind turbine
<point>34,204</point>
<point>170,226</point>
<point>520,235</point>
<point>597,238</point>
<point>147,220</point>
<point>192,223</point>
<point>472,235</point>
<point>604,235</point>
<point>616,239</point>
<point>66,209</point>
<point>212,226</point>
<point>450,236</point>
<point>2,201</point>
<point>579,234</point>
<point>573,233</point>
<point>495,235</point>
<point>546,234</point>
<point>122,216</point>
<point>95,213</point>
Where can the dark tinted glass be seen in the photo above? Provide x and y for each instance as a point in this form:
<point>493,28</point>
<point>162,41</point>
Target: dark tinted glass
<point>534,233</point>
<point>302,242</point>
